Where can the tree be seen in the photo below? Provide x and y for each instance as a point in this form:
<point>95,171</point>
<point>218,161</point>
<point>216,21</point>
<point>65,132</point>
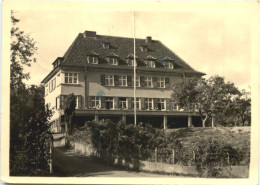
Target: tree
<point>206,96</point>
<point>240,108</point>
<point>29,129</point>
<point>69,111</point>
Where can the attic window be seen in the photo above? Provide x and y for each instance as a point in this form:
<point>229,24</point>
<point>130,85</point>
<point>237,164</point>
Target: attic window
<point>150,63</point>
<point>130,61</point>
<point>105,45</point>
<point>144,48</point>
<point>113,60</point>
<point>169,65</point>
<point>92,59</point>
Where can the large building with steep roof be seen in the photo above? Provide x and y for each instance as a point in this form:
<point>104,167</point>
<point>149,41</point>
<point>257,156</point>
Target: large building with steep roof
<point>98,69</point>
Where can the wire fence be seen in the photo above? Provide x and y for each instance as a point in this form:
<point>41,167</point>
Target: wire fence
<point>222,158</point>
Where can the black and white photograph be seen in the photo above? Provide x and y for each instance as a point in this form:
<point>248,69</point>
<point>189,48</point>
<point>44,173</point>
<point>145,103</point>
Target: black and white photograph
<point>121,92</point>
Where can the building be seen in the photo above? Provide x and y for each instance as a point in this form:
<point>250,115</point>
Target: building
<point>99,71</point>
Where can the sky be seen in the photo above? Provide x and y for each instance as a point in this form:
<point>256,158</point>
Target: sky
<point>213,43</point>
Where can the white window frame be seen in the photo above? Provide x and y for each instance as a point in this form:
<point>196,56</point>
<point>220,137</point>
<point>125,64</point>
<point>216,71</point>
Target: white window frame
<point>148,102</point>
<point>93,60</point>
<point>109,80</point>
<point>148,80</point>
<point>71,78</point>
<point>138,106</point>
<point>137,81</point>
<point>162,102</point>
<point>113,102</point>
<point>120,102</point>
<point>151,63</point>
<point>170,65</point>
<point>122,80</point>
<point>96,101</point>
<point>114,61</point>
<point>160,82</point>
<point>131,62</point>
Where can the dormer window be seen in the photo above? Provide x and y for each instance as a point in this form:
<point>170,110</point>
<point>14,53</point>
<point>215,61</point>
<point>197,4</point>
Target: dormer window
<point>169,65</point>
<point>150,61</point>
<point>130,60</point>
<point>168,62</point>
<point>144,48</point>
<point>151,64</point>
<point>105,45</point>
<point>112,59</point>
<point>92,58</point>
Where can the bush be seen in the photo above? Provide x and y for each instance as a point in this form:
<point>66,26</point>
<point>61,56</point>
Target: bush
<point>125,142</point>
<point>212,158</point>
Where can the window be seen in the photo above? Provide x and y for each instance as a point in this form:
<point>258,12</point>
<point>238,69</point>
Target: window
<point>148,103</point>
<point>52,85</point>
<point>161,104</point>
<point>161,82</point>
<point>151,63</point>
<point>170,65</point>
<point>109,102</point>
<point>113,61</point>
<point>138,81</point>
<point>92,60</point>
<point>96,102</point>
<point>148,81</point>
<point>122,102</point>
<point>109,80</point>
<point>122,80</point>
<point>130,62</point>
<point>137,103</point>
<point>71,78</point>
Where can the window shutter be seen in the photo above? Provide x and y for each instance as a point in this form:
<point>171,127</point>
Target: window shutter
<point>154,82</point>
<point>116,102</point>
<point>167,83</point>
<point>155,103</point>
<point>89,98</point>
<point>130,103</point>
<point>61,101</point>
<point>167,104</point>
<point>103,102</point>
<point>103,81</point>
<point>56,103</point>
<point>116,80</point>
<point>79,101</point>
<point>129,81</point>
<point>142,103</point>
<point>142,83</point>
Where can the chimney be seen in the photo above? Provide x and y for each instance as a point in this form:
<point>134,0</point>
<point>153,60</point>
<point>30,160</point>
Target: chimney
<point>148,39</point>
<point>90,34</point>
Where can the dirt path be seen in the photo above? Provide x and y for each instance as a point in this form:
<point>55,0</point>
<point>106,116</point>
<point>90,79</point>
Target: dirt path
<point>70,164</point>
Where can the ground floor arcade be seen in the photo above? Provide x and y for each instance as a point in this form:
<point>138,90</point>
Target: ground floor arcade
<point>158,119</point>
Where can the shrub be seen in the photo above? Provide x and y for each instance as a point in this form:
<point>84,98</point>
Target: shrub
<point>125,142</point>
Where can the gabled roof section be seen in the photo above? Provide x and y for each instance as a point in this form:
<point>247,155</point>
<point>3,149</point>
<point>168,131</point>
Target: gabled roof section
<point>123,48</point>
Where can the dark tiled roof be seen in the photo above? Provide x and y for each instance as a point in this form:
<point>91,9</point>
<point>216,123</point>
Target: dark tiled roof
<point>122,47</point>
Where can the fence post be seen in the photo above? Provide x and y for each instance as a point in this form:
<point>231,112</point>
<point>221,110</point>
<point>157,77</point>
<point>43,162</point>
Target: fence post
<point>172,156</point>
<point>227,158</point>
<point>155,156</point>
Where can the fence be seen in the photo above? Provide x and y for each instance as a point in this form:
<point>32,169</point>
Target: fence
<point>176,157</point>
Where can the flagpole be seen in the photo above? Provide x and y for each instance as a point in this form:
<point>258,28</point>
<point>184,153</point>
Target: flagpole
<point>134,77</point>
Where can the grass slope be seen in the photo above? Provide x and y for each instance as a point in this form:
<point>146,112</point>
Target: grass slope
<point>192,138</point>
